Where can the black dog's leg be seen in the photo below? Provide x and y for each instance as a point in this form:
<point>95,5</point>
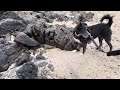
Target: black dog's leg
<point>100,41</point>
<point>108,41</point>
<point>84,48</point>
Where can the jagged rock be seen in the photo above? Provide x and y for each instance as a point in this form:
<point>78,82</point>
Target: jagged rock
<point>29,30</point>
<point>39,31</point>
<point>39,15</point>
<point>28,71</point>
<point>11,22</point>
<point>10,50</point>
<point>25,40</point>
<point>61,38</point>
<point>3,60</point>
<point>23,58</point>
<point>12,15</point>
<point>8,54</point>
<point>11,25</point>
<point>1,40</point>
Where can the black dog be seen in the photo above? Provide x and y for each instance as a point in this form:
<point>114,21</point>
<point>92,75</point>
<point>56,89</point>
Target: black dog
<point>101,30</point>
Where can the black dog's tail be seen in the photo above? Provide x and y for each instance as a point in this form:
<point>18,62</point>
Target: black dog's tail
<point>110,18</point>
<point>113,53</point>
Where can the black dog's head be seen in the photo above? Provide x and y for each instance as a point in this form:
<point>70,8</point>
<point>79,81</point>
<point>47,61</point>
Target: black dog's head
<point>81,30</point>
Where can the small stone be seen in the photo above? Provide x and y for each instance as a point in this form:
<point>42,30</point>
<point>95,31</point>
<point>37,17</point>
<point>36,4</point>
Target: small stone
<point>50,66</point>
<point>43,64</point>
<point>40,57</point>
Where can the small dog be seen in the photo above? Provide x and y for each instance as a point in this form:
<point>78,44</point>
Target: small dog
<point>101,30</point>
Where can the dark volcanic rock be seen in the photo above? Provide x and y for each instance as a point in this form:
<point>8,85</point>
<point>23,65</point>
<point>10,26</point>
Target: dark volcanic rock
<point>11,22</point>
<point>28,71</point>
<point>29,30</point>
<point>25,40</point>
<point>3,60</point>
<point>23,58</point>
<point>10,50</point>
<point>12,15</point>
<point>39,31</point>
<point>8,54</point>
<point>11,25</point>
<point>43,64</point>
<point>1,40</point>
<point>40,57</point>
<point>61,38</point>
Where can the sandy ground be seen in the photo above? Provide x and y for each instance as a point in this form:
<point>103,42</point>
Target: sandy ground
<point>93,64</point>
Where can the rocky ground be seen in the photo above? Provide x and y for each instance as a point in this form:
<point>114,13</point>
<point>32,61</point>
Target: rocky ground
<point>21,59</point>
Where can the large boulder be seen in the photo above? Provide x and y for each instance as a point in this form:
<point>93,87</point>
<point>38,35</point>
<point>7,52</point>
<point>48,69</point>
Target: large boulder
<point>10,26</point>
<point>12,15</point>
<point>8,54</point>
<point>11,22</point>
<point>61,38</point>
<point>38,31</point>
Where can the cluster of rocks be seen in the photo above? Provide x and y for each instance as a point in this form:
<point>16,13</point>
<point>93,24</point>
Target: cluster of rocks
<point>28,36</point>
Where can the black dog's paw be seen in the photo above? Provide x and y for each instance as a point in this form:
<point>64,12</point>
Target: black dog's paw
<point>99,49</point>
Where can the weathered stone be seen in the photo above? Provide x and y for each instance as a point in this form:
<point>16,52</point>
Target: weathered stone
<point>39,31</point>
<point>10,26</point>
<point>10,50</point>
<point>1,40</point>
<point>28,71</point>
<point>7,38</point>
<point>25,40</point>
<point>50,66</point>
<point>29,29</point>
<point>42,64</point>
<point>1,45</point>
<point>40,57</point>
<point>23,58</point>
<point>12,15</point>
<point>3,60</point>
